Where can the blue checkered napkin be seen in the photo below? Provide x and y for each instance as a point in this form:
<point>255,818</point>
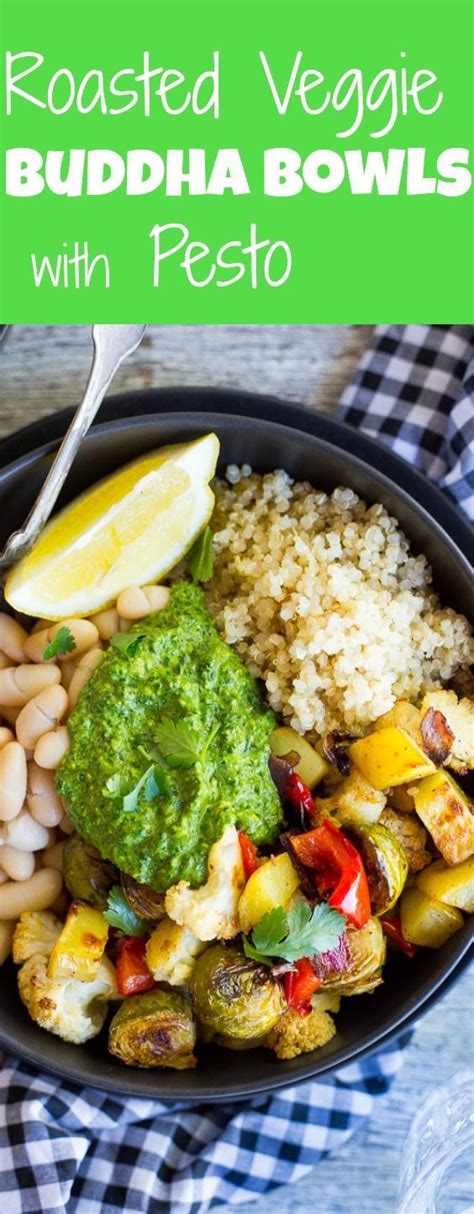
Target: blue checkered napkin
<point>71,1150</point>
<point>414,391</point>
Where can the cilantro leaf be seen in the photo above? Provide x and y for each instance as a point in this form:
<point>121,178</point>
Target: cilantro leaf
<point>200,557</point>
<point>61,644</point>
<point>126,643</point>
<point>297,933</point>
<point>119,914</point>
<point>153,782</point>
<point>178,743</point>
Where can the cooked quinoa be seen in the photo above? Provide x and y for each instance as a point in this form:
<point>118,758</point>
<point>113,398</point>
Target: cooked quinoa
<point>324,601</point>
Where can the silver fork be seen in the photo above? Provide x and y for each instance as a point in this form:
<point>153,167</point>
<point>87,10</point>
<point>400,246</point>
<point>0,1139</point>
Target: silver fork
<point>112,343</point>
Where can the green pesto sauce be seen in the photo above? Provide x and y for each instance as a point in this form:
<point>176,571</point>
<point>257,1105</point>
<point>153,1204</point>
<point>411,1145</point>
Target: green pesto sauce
<point>181,670</point>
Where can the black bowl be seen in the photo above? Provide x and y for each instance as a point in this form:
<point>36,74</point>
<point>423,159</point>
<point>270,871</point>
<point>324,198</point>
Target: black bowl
<point>268,434</point>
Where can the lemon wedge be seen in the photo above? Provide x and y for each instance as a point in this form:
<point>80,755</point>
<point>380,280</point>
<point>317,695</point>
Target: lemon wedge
<point>128,530</point>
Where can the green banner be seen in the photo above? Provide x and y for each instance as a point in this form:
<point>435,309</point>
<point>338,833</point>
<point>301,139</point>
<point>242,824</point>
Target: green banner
<point>225,161</point>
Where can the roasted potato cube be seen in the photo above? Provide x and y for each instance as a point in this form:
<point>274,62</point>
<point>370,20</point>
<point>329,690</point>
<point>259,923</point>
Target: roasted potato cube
<point>312,768</point>
<point>271,885</point>
<point>354,800</point>
<point>389,756</point>
<point>453,885</point>
<point>426,922</point>
<point>447,814</point>
<point>79,948</point>
<point>459,715</point>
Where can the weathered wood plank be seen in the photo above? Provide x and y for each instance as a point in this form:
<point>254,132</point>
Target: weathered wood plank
<point>43,369</point>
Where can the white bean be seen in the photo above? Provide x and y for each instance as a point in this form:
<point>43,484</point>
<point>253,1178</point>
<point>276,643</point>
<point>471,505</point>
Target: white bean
<point>37,893</point>
<point>13,778</point>
<point>41,626</point>
<point>107,623</point>
<point>83,632</point>
<point>125,625</point>
<point>52,747</point>
<point>19,865</point>
<point>138,601</point>
<point>52,857</point>
<point>6,735</point>
<point>41,714</point>
<point>7,928</point>
<point>26,834</point>
<point>3,875</point>
<point>87,664</point>
<point>43,802</point>
<point>12,638</point>
<point>20,683</point>
<point>67,671</point>
<point>4,661</point>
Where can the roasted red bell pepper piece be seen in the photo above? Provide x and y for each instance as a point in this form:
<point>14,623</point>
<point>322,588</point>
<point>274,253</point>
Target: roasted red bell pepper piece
<point>133,974</point>
<point>325,880</point>
<point>328,850</point>
<point>299,795</point>
<point>393,930</point>
<point>300,984</point>
<point>249,854</point>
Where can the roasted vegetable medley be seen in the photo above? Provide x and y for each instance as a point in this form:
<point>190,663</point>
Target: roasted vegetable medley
<point>227,880</point>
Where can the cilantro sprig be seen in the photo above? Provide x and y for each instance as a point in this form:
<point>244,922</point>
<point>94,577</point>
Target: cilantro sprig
<point>61,644</point>
<point>290,935</point>
<point>200,557</point>
<point>127,643</point>
<point>154,783</point>
<point>178,743</point>
<point>120,915</point>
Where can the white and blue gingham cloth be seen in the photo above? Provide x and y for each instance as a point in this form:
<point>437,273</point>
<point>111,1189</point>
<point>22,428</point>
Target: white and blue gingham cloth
<point>71,1150</point>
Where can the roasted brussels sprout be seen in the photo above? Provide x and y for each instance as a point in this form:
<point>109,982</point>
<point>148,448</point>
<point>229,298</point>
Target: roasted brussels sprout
<point>144,900</point>
<point>233,996</point>
<point>87,876</point>
<point>385,863</point>
<point>154,1029</point>
<point>367,949</point>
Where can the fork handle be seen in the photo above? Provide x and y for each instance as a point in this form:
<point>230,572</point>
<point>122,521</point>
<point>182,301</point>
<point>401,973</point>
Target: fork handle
<point>112,343</point>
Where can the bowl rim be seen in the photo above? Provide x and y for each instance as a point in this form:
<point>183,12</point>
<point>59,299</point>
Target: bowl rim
<point>273,410</point>
<point>387,469</point>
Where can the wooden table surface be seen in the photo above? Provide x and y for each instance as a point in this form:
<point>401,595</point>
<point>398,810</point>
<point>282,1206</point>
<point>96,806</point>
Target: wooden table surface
<point>43,369</point>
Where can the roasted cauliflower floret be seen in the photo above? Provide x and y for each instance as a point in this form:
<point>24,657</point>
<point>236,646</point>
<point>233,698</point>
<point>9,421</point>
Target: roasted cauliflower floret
<point>71,1009</point>
<point>459,715</point>
<point>36,933</point>
<point>411,835</point>
<point>295,1034</point>
<point>171,952</point>
<point>354,800</point>
<point>210,912</point>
